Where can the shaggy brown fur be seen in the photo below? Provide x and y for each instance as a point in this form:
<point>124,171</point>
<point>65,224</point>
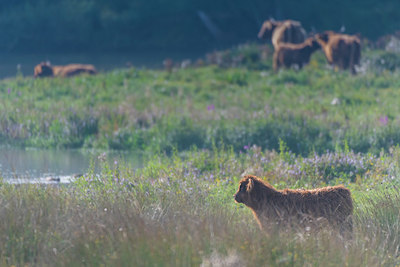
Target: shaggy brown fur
<point>341,50</point>
<point>44,69</point>
<point>296,207</point>
<point>288,54</point>
<point>288,31</point>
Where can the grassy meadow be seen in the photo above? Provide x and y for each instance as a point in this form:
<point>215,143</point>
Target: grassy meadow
<point>200,130</point>
<point>156,111</point>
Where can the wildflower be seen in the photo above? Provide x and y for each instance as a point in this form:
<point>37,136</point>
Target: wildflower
<point>335,101</point>
<point>8,90</point>
<point>383,120</point>
<point>246,147</point>
<point>210,107</point>
<point>102,156</point>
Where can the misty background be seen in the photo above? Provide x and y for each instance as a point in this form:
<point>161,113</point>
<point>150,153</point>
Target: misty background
<point>47,26</point>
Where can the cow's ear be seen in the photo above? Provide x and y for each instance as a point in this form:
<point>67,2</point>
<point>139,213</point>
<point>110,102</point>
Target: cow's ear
<point>250,185</point>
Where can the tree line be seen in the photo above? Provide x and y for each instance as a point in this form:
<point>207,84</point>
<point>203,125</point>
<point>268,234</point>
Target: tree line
<point>125,25</point>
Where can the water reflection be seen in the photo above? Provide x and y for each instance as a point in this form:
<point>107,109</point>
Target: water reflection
<point>52,166</point>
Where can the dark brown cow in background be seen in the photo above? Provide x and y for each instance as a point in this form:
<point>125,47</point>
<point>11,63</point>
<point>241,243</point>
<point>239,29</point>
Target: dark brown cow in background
<point>289,54</point>
<point>341,50</point>
<point>288,31</point>
<point>45,69</point>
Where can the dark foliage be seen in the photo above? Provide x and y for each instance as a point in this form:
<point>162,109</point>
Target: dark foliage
<point>102,25</point>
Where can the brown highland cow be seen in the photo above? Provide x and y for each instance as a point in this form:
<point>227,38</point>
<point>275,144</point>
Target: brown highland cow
<point>287,31</point>
<point>341,50</point>
<point>289,54</point>
<point>300,207</point>
<point>44,69</point>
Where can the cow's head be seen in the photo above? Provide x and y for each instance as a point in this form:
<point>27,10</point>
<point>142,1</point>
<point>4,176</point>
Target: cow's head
<point>43,69</point>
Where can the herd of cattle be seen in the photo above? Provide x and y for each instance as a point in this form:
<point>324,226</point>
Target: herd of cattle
<point>291,47</point>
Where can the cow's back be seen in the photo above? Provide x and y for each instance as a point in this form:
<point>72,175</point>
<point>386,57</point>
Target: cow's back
<point>73,69</point>
<point>289,32</point>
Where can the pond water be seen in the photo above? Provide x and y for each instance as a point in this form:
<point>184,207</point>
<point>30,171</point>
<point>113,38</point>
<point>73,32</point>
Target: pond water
<point>11,63</point>
<point>60,166</point>
<point>55,166</point>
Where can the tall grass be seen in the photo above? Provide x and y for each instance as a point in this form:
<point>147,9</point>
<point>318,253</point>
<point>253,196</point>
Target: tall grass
<point>179,211</point>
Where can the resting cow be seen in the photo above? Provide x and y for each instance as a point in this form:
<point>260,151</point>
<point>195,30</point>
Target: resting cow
<point>288,31</point>
<point>341,50</point>
<point>44,69</point>
<point>289,54</point>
